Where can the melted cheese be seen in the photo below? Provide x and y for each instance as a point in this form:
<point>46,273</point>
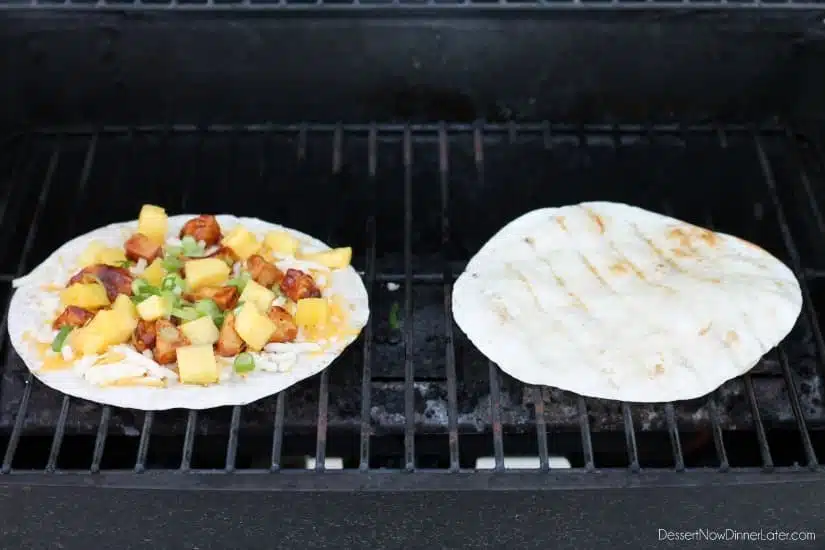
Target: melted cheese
<point>51,361</point>
<point>336,328</point>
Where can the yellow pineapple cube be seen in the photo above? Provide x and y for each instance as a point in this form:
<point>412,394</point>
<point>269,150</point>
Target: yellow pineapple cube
<point>243,243</point>
<point>197,365</point>
<point>87,342</point>
<point>333,259</point>
<point>115,326</point>
<point>112,256</point>
<point>85,295</point>
<point>311,312</point>
<point>257,295</point>
<point>154,223</point>
<point>201,332</point>
<point>123,304</point>
<point>253,327</point>
<point>281,243</point>
<point>155,273</point>
<point>206,272</point>
<point>153,308</point>
<point>91,254</point>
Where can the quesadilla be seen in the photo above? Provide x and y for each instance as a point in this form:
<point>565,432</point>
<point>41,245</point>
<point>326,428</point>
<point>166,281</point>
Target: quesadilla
<point>612,301</point>
<point>187,311</point>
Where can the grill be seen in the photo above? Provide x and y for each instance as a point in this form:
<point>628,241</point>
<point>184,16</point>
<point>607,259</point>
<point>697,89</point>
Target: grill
<point>415,201</point>
<point>429,124</point>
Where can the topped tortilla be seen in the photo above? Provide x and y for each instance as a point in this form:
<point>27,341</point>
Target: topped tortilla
<point>612,301</point>
<point>186,311</point>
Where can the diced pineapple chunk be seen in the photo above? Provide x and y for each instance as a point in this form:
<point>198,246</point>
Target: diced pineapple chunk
<point>281,243</point>
<point>197,365</point>
<point>112,256</point>
<point>311,312</point>
<point>206,272</point>
<point>124,305</point>
<point>201,332</point>
<point>153,308</point>
<point>91,254</point>
<point>114,325</point>
<point>243,243</point>
<point>155,273</point>
<point>333,259</point>
<point>98,253</point>
<point>253,327</point>
<point>87,342</point>
<point>257,295</point>
<point>154,223</point>
<point>85,295</point>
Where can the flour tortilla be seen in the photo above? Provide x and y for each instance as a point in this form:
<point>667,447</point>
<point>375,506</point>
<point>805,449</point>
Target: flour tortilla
<point>612,301</point>
<point>32,309</point>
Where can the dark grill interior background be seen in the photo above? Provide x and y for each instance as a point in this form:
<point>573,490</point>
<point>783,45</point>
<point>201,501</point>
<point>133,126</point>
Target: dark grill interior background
<point>415,202</point>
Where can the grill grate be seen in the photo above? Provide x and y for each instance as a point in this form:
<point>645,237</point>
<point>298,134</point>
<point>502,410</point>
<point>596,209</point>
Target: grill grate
<point>415,202</point>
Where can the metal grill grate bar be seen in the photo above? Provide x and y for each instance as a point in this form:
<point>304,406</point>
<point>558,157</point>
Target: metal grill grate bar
<point>630,438</point>
<point>716,423</point>
<point>143,444</point>
<point>495,415</point>
<point>587,439</point>
<point>232,443</point>
<point>278,432</point>
<point>100,438</point>
<point>764,448</point>
<point>539,395</point>
<point>394,6</point>
<point>189,440</point>
<point>366,373</point>
<point>409,366</point>
<point>801,424</point>
<point>449,360</point>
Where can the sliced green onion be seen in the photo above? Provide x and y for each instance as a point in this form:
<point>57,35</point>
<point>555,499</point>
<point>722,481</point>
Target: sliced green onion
<point>240,281</point>
<point>185,313</point>
<point>209,308</point>
<point>191,248</point>
<point>172,264</point>
<point>174,250</point>
<point>244,363</point>
<point>174,283</point>
<point>60,339</point>
<point>394,324</point>
<point>125,263</point>
<point>171,299</point>
<point>141,290</point>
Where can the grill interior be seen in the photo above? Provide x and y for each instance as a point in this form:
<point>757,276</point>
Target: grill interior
<point>415,202</point>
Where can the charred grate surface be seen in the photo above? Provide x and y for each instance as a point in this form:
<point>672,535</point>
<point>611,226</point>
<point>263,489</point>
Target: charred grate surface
<point>415,202</point>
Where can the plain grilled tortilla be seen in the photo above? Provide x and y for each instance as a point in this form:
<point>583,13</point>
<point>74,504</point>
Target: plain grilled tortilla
<point>612,301</point>
<point>33,308</point>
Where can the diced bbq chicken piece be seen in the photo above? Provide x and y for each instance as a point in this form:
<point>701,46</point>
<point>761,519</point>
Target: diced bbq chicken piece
<point>226,297</point>
<point>203,228</point>
<point>229,343</point>
<point>72,316</point>
<point>116,280</point>
<point>225,254</point>
<point>263,272</point>
<point>297,285</point>
<point>286,330</point>
<point>144,336</point>
<point>168,338</point>
<point>140,246</point>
